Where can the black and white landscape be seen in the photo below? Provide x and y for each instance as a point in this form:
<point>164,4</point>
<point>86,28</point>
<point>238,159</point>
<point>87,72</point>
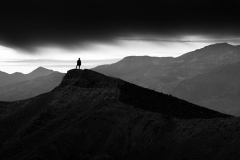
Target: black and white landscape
<point>156,80</point>
<point>92,116</point>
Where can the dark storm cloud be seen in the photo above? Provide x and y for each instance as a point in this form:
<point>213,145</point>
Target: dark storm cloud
<point>28,24</point>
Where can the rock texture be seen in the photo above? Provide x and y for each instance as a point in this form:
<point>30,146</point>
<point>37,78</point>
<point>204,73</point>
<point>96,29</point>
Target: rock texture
<point>164,74</point>
<point>91,116</point>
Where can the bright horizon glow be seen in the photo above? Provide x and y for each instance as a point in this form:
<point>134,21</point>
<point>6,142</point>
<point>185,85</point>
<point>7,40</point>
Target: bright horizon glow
<point>62,59</point>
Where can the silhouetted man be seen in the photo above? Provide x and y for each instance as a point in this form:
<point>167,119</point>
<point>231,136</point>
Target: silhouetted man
<point>78,63</point>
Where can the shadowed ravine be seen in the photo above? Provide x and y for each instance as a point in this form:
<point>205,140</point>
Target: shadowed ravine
<point>92,116</point>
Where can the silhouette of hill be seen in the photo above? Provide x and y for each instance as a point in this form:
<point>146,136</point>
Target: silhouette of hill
<point>164,74</point>
<point>40,71</point>
<point>2,73</point>
<point>92,116</point>
<point>217,53</point>
<point>218,89</point>
<point>133,64</point>
<point>7,79</point>
<point>30,88</point>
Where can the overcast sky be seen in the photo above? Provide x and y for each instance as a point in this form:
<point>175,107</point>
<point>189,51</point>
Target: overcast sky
<point>54,33</point>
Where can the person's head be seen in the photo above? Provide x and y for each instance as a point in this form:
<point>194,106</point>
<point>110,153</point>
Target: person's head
<point>79,58</point>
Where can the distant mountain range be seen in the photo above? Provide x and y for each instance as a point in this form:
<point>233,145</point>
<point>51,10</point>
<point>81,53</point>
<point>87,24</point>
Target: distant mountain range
<point>218,89</point>
<point>93,116</point>
<point>209,76</point>
<point>164,74</point>
<point>6,79</point>
<point>30,88</point>
<point>20,86</point>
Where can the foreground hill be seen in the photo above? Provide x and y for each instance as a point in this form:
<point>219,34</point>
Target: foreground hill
<point>30,88</point>
<point>218,89</point>
<point>92,116</point>
<point>164,74</point>
<point>6,79</point>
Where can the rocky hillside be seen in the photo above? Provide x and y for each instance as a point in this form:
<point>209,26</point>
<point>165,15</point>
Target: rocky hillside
<point>164,74</point>
<point>92,116</point>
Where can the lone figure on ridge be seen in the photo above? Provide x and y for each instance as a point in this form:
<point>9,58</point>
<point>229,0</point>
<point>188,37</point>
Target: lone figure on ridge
<point>78,63</point>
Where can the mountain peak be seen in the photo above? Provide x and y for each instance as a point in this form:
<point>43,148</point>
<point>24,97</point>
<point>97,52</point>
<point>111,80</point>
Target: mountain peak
<point>219,45</point>
<point>40,71</point>
<point>17,73</point>
<point>87,79</point>
<point>223,51</point>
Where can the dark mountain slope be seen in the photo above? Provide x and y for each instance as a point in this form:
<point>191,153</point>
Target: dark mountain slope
<point>164,74</point>
<point>6,79</point>
<point>92,116</point>
<point>218,89</point>
<point>30,88</point>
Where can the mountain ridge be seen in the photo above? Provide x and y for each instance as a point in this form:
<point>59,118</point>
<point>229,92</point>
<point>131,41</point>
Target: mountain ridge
<point>7,79</point>
<point>30,88</point>
<point>164,74</point>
